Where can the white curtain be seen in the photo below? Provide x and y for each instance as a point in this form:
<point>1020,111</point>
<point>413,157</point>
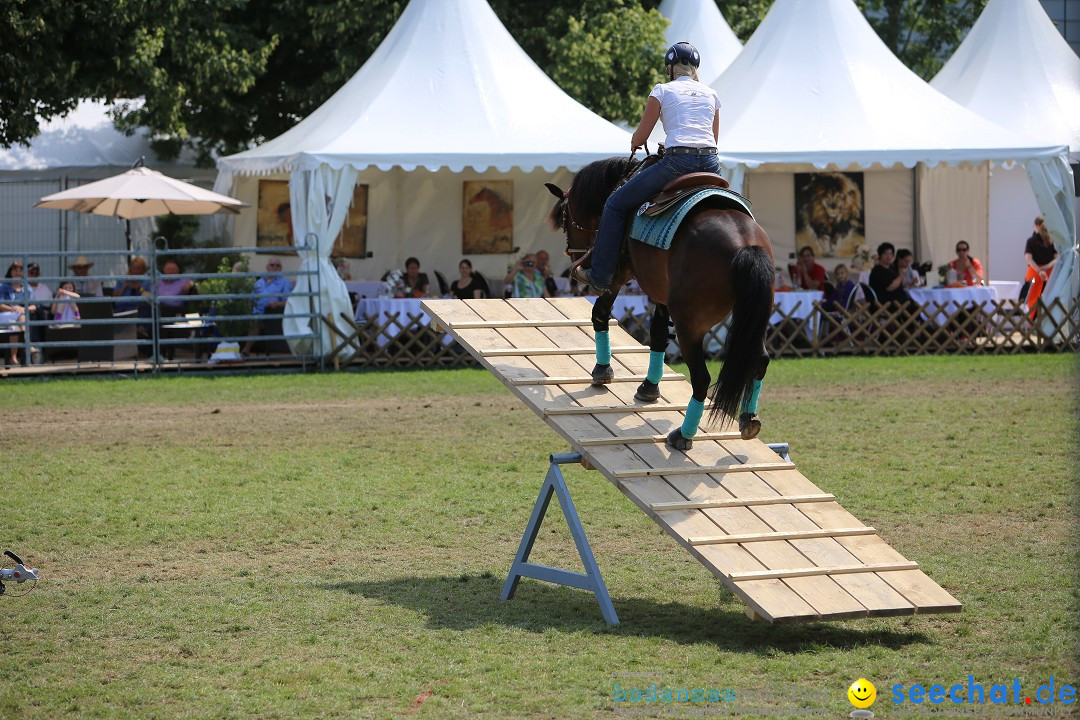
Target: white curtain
<point>1052,181</point>
<point>735,174</point>
<point>320,200</point>
<point>954,205</point>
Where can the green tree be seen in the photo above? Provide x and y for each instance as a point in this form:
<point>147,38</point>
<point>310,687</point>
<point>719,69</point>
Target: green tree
<point>922,33</point>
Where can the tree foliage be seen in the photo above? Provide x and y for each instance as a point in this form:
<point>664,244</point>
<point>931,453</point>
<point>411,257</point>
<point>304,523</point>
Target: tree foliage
<point>218,76</point>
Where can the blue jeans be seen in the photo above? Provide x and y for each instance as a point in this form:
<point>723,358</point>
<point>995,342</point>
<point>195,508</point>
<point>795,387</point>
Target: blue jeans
<point>628,198</point>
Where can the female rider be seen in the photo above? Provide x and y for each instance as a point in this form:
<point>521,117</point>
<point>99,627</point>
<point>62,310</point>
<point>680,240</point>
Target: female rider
<point>690,113</point>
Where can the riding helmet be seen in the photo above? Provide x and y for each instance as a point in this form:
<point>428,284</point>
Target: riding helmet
<point>682,52</point>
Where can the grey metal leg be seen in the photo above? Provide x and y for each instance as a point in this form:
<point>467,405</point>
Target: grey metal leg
<point>591,580</point>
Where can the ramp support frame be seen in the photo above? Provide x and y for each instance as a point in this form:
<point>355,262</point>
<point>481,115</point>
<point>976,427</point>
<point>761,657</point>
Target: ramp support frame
<point>591,580</point>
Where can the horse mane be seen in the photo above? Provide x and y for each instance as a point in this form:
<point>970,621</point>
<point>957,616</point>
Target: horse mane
<point>591,187</point>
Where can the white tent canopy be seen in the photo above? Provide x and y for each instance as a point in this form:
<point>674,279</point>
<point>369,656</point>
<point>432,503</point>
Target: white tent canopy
<point>84,138</point>
<point>815,86</point>
<point>700,23</point>
<point>1016,69</point>
<point>447,91</point>
<point>448,88</point>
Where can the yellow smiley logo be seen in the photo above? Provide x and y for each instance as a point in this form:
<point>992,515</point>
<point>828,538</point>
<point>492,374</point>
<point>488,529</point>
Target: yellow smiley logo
<point>862,693</point>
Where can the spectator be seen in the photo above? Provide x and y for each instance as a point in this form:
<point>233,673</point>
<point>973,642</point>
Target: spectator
<point>411,284</point>
<point>38,290</point>
<point>525,281</point>
<point>133,287</point>
<point>1041,256</point>
<point>275,289</point>
<point>806,273</point>
<point>66,313</point>
<point>967,270</point>
<point>470,285</point>
<point>543,266</point>
<point>85,288</point>
<point>342,267</point>
<point>14,304</point>
<point>171,288</point>
<point>842,289</point>
<point>884,280</point>
<point>903,266</point>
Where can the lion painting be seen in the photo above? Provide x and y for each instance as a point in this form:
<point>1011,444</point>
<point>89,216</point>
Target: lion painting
<point>829,213</point>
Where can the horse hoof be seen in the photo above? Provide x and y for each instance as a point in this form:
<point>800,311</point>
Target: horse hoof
<point>749,426</point>
<point>676,440</point>
<point>647,392</point>
<point>602,374</point>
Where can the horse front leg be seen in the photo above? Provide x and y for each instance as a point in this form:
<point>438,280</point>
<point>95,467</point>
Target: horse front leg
<point>749,422</point>
<point>649,390</point>
<point>602,374</point>
<point>693,352</point>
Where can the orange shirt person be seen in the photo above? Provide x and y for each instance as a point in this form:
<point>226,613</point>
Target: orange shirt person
<point>969,271</point>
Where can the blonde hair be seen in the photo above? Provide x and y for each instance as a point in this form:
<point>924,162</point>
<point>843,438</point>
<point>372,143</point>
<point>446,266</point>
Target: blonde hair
<point>681,69</point>
<point>837,268</point>
<point>1044,232</point>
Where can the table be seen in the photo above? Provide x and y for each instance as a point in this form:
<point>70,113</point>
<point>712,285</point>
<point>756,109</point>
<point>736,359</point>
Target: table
<point>949,299</point>
<point>382,310</point>
<point>1006,289</point>
<point>366,288</point>
<point>795,305</point>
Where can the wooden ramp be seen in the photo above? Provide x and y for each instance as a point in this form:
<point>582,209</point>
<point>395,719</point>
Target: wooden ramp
<point>787,549</point>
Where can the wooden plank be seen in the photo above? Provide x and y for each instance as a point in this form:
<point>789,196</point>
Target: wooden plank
<point>832,570</point>
<point>780,535</point>
<point>781,543</point>
<point>741,502</point>
<point>476,324</point>
<point>499,352</point>
<point>630,439</point>
<point>579,380</point>
<point>706,470</point>
<point>654,408</point>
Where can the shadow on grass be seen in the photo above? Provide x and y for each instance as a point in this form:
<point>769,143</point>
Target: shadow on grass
<point>470,601</point>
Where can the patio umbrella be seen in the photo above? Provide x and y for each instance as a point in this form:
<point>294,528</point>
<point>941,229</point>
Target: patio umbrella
<point>141,192</point>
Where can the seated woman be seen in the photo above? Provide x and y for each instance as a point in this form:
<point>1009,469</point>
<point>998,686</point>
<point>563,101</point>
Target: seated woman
<point>469,286</point>
<point>410,284</point>
<point>965,270</point>
<point>909,275</point>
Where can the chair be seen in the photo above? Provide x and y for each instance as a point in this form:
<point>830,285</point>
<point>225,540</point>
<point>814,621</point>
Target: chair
<point>444,287</point>
<point>122,330</point>
<point>485,289</point>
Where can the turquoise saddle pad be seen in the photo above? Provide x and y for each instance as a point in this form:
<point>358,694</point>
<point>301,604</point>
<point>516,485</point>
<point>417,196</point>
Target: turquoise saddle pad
<point>660,230</point>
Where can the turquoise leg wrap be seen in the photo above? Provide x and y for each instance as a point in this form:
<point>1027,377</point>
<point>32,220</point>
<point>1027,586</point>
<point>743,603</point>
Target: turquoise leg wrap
<point>693,417</point>
<point>656,367</point>
<point>603,347</point>
<point>750,403</point>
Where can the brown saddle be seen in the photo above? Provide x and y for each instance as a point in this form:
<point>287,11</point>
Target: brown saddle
<point>682,187</point>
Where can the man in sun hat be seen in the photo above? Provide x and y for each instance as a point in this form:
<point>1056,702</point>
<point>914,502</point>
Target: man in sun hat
<point>81,268</point>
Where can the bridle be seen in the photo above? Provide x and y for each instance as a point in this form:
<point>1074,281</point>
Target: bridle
<point>568,223</point>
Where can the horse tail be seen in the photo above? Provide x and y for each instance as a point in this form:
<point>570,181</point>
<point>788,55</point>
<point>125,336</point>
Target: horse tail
<point>752,282</point>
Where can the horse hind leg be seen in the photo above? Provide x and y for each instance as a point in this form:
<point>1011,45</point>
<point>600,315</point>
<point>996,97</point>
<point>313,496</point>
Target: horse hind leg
<point>693,351</point>
<point>649,390</point>
<point>749,422</point>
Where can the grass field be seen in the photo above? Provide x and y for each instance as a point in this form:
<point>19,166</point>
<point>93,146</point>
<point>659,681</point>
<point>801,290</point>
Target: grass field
<point>334,546</point>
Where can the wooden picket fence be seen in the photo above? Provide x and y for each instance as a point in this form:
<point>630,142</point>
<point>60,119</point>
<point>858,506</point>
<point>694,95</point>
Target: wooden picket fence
<point>407,340</point>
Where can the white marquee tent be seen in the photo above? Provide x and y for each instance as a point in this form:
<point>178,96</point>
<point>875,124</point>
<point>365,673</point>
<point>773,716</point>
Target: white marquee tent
<point>815,87</point>
<point>79,147</point>
<point>700,23</point>
<point>1016,69</point>
<point>448,96</point>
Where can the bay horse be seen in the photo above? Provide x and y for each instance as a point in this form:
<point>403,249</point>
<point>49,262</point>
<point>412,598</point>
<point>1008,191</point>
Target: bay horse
<point>720,262</point>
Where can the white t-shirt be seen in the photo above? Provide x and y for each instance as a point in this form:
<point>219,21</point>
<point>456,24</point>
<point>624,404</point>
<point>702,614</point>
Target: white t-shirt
<point>687,109</point>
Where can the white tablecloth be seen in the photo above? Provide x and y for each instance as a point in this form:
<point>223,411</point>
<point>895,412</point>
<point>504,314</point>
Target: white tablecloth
<point>385,309</point>
<point>1006,289</point>
<point>795,305</point>
<point>951,298</point>
<point>366,288</point>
